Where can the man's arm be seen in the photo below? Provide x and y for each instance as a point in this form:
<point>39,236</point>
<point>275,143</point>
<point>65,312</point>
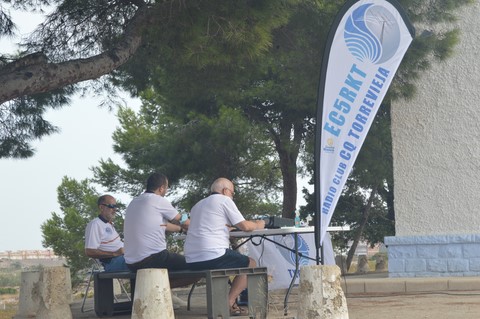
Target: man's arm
<point>173,227</point>
<point>99,254</point>
<point>250,225</point>
<point>180,222</point>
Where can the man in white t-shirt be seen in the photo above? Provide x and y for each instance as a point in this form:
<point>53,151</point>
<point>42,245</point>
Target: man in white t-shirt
<point>207,245</point>
<point>147,218</point>
<point>102,241</point>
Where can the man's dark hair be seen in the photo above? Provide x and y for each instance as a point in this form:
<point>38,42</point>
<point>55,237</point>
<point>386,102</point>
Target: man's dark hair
<point>156,180</point>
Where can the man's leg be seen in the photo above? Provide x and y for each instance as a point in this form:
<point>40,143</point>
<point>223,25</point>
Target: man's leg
<point>174,262</point>
<point>116,264</point>
<point>239,284</point>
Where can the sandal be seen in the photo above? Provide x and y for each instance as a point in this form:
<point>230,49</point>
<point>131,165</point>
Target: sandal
<point>235,310</point>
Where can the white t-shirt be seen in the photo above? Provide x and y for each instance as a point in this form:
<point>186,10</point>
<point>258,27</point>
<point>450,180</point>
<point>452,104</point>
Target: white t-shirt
<point>208,234</point>
<point>102,235</point>
<point>144,234</point>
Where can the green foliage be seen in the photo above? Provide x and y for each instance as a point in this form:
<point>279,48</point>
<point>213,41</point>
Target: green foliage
<point>10,278</point>
<point>193,150</point>
<point>197,33</point>
<point>16,265</point>
<point>226,95</point>
<point>22,122</point>
<point>276,92</point>
<point>212,37</point>
<point>207,36</point>
<point>8,291</point>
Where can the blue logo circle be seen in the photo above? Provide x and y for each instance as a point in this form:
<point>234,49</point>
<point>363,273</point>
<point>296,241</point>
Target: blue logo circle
<point>289,241</point>
<point>372,34</point>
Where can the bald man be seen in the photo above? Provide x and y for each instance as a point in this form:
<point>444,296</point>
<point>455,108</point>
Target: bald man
<point>207,245</point>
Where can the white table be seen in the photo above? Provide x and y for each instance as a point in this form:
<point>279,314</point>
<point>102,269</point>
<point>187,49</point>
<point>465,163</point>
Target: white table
<point>284,231</point>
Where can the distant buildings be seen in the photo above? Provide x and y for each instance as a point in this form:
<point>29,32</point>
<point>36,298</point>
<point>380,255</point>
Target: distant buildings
<point>28,254</point>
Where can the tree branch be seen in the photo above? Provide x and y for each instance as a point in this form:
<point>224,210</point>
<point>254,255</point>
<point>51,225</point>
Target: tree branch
<point>17,80</point>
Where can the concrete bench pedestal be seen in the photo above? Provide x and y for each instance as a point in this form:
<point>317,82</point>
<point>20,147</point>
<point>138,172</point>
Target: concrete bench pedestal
<point>153,298</point>
<point>45,294</point>
<point>55,296</point>
<point>321,294</point>
<point>28,301</point>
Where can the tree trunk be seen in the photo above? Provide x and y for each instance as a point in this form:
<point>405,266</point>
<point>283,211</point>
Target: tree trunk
<point>287,143</point>
<point>289,176</point>
<point>361,227</point>
<point>390,201</point>
<point>31,74</point>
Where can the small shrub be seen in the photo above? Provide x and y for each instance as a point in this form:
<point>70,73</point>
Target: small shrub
<point>8,291</point>
<point>10,279</point>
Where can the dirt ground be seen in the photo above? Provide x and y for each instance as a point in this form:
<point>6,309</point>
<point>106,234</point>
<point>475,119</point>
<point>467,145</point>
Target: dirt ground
<point>435,305</point>
<point>443,305</point>
<point>458,305</point>
<point>431,305</point>
<point>438,305</point>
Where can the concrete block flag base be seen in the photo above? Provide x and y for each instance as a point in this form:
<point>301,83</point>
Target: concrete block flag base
<point>153,298</point>
<point>28,301</point>
<point>54,293</point>
<point>320,293</point>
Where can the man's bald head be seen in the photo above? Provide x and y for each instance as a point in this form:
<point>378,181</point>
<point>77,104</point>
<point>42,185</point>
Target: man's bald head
<point>220,184</point>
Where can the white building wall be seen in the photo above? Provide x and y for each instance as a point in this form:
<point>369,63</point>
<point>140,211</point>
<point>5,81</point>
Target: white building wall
<point>436,143</point>
<point>436,158</point>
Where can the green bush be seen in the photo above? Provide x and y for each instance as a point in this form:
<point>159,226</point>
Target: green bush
<point>8,291</point>
<point>10,279</point>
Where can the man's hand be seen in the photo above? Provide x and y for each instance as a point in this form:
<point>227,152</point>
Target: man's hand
<point>99,254</point>
<point>250,225</point>
<point>119,252</point>
<point>171,227</point>
<point>260,223</point>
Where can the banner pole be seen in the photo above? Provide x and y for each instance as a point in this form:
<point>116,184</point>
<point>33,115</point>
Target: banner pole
<point>318,132</point>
